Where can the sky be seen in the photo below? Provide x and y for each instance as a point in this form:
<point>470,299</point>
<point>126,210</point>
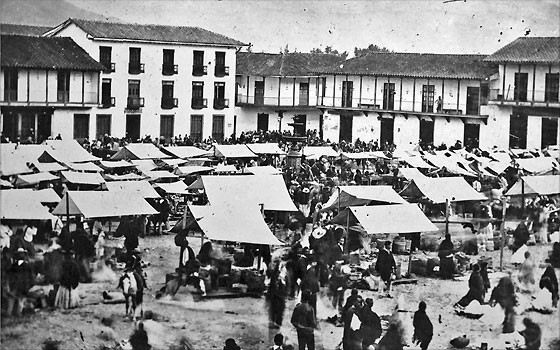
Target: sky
<point>436,26</point>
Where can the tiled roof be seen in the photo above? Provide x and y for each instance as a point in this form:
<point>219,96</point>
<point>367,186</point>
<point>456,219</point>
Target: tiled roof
<point>45,53</point>
<point>528,50</point>
<point>152,32</point>
<point>283,64</point>
<point>21,29</point>
<point>415,65</point>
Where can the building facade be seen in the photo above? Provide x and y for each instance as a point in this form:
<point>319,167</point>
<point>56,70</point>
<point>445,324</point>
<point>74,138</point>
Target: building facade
<point>161,81</point>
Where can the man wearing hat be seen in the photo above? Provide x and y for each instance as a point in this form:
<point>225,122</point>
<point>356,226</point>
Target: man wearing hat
<point>21,278</point>
<point>385,265</point>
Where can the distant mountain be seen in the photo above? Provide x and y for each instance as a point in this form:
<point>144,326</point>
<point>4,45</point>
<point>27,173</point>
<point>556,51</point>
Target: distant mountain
<point>44,12</point>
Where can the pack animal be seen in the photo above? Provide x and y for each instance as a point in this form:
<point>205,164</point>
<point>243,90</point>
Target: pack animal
<point>133,290</point>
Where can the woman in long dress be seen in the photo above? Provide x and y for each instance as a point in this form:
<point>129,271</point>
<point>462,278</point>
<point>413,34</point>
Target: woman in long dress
<point>67,297</point>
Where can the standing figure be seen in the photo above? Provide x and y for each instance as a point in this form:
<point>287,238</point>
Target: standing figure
<point>445,253</point>
<point>303,319</point>
<point>423,328</point>
<point>351,337</point>
<point>385,265</point>
<point>310,282</point>
<point>69,281</point>
<point>527,274</point>
<point>521,234</point>
<point>532,334</point>
<point>139,338</point>
<point>276,295</point>
<point>21,279</point>
<point>371,325</point>
<point>392,339</point>
<point>504,294</point>
<point>550,282</point>
<point>476,289</point>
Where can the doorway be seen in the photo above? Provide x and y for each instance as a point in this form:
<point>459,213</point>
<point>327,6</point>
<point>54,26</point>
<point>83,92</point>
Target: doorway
<point>303,94</point>
<point>346,122</point>
<point>518,131</point>
<point>259,92</point>
<point>347,87</point>
<point>387,128</point>
<point>262,122</point>
<point>520,88</point>
<point>389,96</point>
<point>133,127</point>
<point>473,98</point>
<point>426,132</point>
<point>471,136</point>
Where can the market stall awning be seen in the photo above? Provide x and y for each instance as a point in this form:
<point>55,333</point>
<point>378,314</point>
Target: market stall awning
<point>233,151</point>
<point>144,164</point>
<point>185,151</point>
<point>178,187</point>
<point>223,168</point>
<point>222,223</point>
<point>541,185</point>
<point>416,162</point>
<point>266,148</point>
<point>87,167</point>
<point>387,219</point>
<point>66,152</point>
<point>125,177</point>
<point>172,162</point>
<point>102,204</point>
<point>319,151</point>
<point>83,178</point>
<point>269,190</point>
<point>139,151</point>
<point>47,195</point>
<point>48,167</point>
<point>262,170</point>
<point>18,206</point>
<point>538,165</point>
<point>155,175</point>
<point>33,179</point>
<point>362,195</point>
<point>192,169</point>
<point>363,155</point>
<point>119,164</point>
<point>14,158</point>
<point>451,164</point>
<point>141,189</point>
<point>438,190</point>
<point>410,173</point>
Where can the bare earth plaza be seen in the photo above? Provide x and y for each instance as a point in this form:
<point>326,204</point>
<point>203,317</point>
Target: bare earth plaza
<point>274,175</point>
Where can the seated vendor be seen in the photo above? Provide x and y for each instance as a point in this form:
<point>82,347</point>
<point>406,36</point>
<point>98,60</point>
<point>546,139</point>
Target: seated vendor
<point>205,255</point>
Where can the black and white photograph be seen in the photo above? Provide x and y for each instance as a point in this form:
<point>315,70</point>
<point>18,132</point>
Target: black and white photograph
<point>279,174</point>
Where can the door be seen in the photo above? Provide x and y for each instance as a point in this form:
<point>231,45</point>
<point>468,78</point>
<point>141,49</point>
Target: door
<point>520,89</point>
<point>347,94</point>
<point>387,126</point>
<point>166,126</point>
<point>196,128</point>
<point>518,131</point>
<point>218,128</point>
<point>300,123</point>
<point>389,96</point>
<point>81,127</point>
<point>472,136</point>
<point>426,132</point>
<point>133,127</point>
<point>262,122</point>
<point>44,127</point>
<point>552,86</point>
<point>106,92</point>
<point>10,126</point>
<point>259,92</point>
<point>549,131</point>
<point>303,94</point>
<point>103,125</point>
<point>428,98</point>
<point>346,122</point>
<point>473,98</point>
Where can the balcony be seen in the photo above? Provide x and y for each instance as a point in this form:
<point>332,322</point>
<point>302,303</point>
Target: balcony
<point>109,67</point>
<point>221,71</point>
<point>169,69</point>
<point>199,70</point>
<point>63,96</point>
<point>107,102</point>
<point>260,100</point>
<point>199,103</point>
<point>221,103</point>
<point>134,102</point>
<point>526,98</point>
<point>169,102</point>
<point>135,68</point>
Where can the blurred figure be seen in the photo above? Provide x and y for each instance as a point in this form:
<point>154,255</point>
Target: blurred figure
<point>303,319</point>
<point>532,334</point>
<point>445,253</point>
<point>476,289</point>
<point>527,274</point>
<point>231,345</point>
<point>504,294</point>
<point>69,281</point>
<point>371,325</point>
<point>386,265</point>
<point>392,339</point>
<point>550,282</point>
<point>139,338</point>
<point>423,328</point>
<point>21,278</point>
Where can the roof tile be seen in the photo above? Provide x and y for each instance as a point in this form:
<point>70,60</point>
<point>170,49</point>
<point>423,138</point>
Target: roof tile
<point>528,50</point>
<point>283,64</point>
<point>21,29</point>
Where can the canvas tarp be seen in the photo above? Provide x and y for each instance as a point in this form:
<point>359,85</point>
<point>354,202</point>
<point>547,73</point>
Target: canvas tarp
<point>141,189</point>
<point>538,165</point>
<point>269,190</point>
<point>387,219</point>
<point>416,162</point>
<point>14,158</point>
<point>88,167</point>
<point>223,168</point>
<point>139,151</point>
<point>103,204</point>
<point>438,190</point>
<point>178,187</point>
<point>319,151</point>
<point>452,164</point>
<point>362,195</point>
<point>192,169</point>
<point>47,167</point>
<point>18,206</point>
<point>222,223</point>
<point>185,151</point>
<point>155,175</point>
<point>47,195</point>
<point>83,178</point>
<point>262,170</point>
<point>363,155</point>
<point>233,151</point>
<point>265,148</point>
<point>125,177</point>
<point>66,152</point>
<point>541,185</point>
<point>111,164</point>
<point>410,173</point>
<point>172,162</point>
<point>144,164</point>
<point>33,179</point>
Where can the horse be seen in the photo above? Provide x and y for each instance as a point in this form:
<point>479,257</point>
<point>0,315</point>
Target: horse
<point>133,291</point>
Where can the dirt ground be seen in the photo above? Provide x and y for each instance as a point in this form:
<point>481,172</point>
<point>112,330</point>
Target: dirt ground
<point>207,323</point>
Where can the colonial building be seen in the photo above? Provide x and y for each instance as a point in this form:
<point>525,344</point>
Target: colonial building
<point>158,80</point>
<point>279,91</point>
<point>49,86</point>
<point>525,95</point>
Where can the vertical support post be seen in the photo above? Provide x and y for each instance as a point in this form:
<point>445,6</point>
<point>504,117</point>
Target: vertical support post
<point>534,73</point>
<point>27,86</point>
<point>428,95</point>
<point>347,232</point>
<point>68,211</point>
<point>400,97</point>
<point>360,100</point>
<point>260,245</point>
<point>443,94</point>
<point>279,84</point>
<point>35,126</point>
<point>375,92</point>
<point>458,93</point>
<point>504,83</point>
<point>334,90</point>
<point>247,89</point>
<point>522,196</point>
<point>338,200</point>
<point>294,93</point>
<point>275,221</point>
<point>413,93</point>
<point>47,86</point>
<point>503,231</point>
<point>447,216</point>
<point>83,87</point>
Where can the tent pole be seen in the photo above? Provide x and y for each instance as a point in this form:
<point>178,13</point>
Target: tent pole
<point>446,216</point>
<point>522,196</point>
<point>502,231</point>
<point>347,231</point>
<point>338,199</point>
<point>275,219</point>
<point>68,211</point>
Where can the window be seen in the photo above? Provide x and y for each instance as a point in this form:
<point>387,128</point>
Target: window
<point>347,89</point>
<point>518,131</point>
<point>520,89</point>
<point>299,124</point>
<point>221,70</point>
<point>105,58</point>
<point>198,100</point>
<point>81,127</point>
<point>218,127</point>
<point>166,127</point>
<point>196,128</point>
<point>169,67</point>
<point>471,136</point>
<point>103,125</point>
<point>134,65</point>
<point>428,92</point>
<point>106,99</point>
<point>219,93</point>
<point>134,100</point>
<point>10,85</point>
<point>552,87</point>
<point>63,86</point>
<point>303,94</point>
<point>199,69</point>
<point>167,99</point>
<point>549,131</point>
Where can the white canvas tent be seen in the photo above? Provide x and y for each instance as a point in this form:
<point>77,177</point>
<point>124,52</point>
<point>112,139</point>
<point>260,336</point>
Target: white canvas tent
<point>155,175</point>
<point>139,151</point>
<point>222,223</point>
<point>18,206</point>
<point>362,195</point>
<point>87,167</point>
<point>184,152</point>
<point>83,178</point>
<point>14,158</point>
<point>47,195</point>
<point>102,204</point>
<point>387,219</point>
<point>536,185</point>
<point>269,190</point>
<point>192,169</point>
<point>66,152</point>
<point>119,164</point>
<point>265,148</point>
<point>538,165</point>
<point>141,189</point>
<point>363,155</point>
<point>438,190</point>
<point>410,173</point>
<point>233,151</point>
<point>48,167</point>
<point>319,151</point>
<point>262,170</point>
<point>33,179</point>
<point>178,187</point>
<point>416,162</point>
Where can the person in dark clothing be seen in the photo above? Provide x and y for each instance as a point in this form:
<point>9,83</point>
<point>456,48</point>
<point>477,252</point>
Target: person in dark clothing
<point>69,281</point>
<point>337,286</point>
<point>550,282</point>
<point>371,325</point>
<point>350,300</point>
<point>385,265</point>
<point>65,239</point>
<point>504,294</point>
<point>21,278</point>
<point>85,250</point>
<point>445,253</point>
<point>352,338</point>
<point>532,334</point>
<point>139,339</point>
<point>276,295</point>
<point>130,235</point>
<point>476,289</point>
<point>521,235</point>
<point>310,282</point>
<point>423,328</point>
<point>231,345</point>
<point>205,253</point>
<point>554,259</point>
<point>484,275</point>
<point>392,339</point>
<point>303,319</point>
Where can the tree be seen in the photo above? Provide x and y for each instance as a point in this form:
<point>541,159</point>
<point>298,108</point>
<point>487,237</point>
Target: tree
<point>330,51</point>
<point>370,48</point>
